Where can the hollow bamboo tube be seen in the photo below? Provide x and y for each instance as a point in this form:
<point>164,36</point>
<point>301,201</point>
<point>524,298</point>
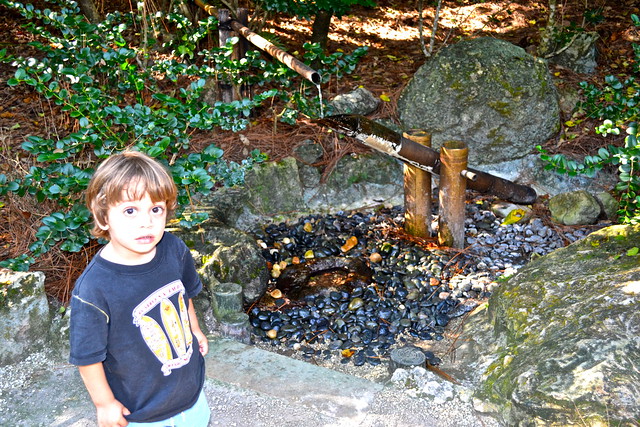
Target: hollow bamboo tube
<point>227,299</point>
<point>417,191</point>
<point>453,158</point>
<point>236,326</point>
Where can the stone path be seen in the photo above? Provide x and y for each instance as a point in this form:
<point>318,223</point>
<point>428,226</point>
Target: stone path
<point>246,386</point>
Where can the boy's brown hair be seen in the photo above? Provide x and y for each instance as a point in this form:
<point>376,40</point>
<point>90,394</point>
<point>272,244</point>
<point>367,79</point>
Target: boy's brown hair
<point>134,173</point>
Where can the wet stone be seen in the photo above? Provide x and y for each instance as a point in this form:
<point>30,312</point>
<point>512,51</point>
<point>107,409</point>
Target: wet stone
<point>406,358</point>
<point>374,304</point>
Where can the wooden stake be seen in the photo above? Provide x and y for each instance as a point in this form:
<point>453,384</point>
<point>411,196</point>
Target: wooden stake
<point>417,192</point>
<point>453,158</point>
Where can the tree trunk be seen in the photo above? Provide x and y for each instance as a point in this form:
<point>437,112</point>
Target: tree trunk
<point>320,28</point>
<point>546,46</point>
<point>88,9</point>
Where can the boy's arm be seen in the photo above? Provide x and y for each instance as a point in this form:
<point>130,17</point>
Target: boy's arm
<point>195,328</point>
<point>110,411</point>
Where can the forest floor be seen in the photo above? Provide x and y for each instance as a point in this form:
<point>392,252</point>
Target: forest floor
<point>391,33</point>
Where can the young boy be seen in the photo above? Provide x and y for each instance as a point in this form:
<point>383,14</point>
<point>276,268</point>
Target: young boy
<point>133,325</point>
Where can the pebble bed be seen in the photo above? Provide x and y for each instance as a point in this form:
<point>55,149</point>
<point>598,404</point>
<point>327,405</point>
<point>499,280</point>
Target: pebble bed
<point>416,290</point>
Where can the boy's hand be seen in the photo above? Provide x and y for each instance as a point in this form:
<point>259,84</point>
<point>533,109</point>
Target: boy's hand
<point>203,342</point>
<point>112,415</point>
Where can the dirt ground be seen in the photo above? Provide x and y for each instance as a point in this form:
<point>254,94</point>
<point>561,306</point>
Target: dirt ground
<point>390,31</point>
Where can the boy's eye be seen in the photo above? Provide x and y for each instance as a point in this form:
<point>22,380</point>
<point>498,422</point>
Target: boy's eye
<point>157,209</point>
<point>129,211</point>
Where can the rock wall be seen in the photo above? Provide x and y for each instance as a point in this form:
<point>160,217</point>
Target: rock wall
<point>567,328</point>
<point>25,317</point>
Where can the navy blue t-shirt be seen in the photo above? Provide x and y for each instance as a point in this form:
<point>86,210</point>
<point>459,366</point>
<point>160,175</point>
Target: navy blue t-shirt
<point>134,319</point>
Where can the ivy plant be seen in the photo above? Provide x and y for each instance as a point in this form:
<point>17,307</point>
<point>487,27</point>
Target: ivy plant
<point>617,103</point>
<point>120,95</point>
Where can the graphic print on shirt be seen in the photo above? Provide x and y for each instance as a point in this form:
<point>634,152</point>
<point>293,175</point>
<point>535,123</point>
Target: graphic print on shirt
<point>173,331</point>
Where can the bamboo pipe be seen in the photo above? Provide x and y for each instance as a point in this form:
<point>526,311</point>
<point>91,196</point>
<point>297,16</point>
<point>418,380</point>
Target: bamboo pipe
<point>417,192</point>
<point>385,140</point>
<point>453,157</point>
<point>261,43</point>
<point>290,61</point>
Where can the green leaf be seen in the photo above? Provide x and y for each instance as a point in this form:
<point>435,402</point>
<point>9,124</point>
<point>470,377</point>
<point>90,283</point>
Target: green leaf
<point>20,74</point>
<point>55,189</point>
<point>49,157</point>
<point>633,251</point>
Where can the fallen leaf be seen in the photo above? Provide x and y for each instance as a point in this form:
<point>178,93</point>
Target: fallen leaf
<point>347,352</point>
<point>514,216</point>
<point>349,244</point>
<point>276,293</point>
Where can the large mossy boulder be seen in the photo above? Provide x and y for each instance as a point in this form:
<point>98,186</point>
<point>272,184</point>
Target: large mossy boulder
<point>489,93</point>
<point>25,317</point>
<point>360,180</point>
<point>227,255</point>
<point>568,332</point>
<point>291,187</point>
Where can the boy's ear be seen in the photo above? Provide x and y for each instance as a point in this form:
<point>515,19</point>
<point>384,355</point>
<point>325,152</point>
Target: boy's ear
<point>102,226</point>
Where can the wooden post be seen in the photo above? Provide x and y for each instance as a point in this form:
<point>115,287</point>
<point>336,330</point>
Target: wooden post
<point>417,192</point>
<point>453,158</point>
<point>224,32</point>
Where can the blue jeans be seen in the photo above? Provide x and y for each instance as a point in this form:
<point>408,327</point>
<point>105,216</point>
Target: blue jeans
<point>196,416</point>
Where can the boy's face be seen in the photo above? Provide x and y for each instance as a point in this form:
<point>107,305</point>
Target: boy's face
<point>135,227</point>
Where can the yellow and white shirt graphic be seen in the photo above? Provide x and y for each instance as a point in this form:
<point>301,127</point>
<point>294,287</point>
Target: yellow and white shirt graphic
<point>174,332</point>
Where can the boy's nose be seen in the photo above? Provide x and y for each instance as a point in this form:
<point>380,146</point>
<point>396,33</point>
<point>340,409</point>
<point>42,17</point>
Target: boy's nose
<point>146,220</point>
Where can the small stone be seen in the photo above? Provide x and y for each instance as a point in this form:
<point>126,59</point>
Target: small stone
<point>272,334</point>
<point>406,357</point>
<point>375,257</point>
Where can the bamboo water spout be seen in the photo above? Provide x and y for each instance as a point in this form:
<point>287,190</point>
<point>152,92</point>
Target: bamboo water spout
<point>263,44</point>
<point>387,141</point>
<point>290,61</point>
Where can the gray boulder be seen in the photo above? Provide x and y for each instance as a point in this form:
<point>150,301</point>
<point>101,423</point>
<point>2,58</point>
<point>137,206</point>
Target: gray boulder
<point>356,181</point>
<point>575,208</point>
<point>274,187</point>
<point>25,316</point>
<point>609,205</point>
<point>359,101</point>
<point>277,191</point>
<point>580,54</point>
<point>486,92</point>
<point>564,339</point>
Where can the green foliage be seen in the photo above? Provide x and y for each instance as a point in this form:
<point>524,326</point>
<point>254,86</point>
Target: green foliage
<point>121,96</point>
<point>618,104</point>
<point>307,9</point>
<point>306,101</point>
<point>618,101</point>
